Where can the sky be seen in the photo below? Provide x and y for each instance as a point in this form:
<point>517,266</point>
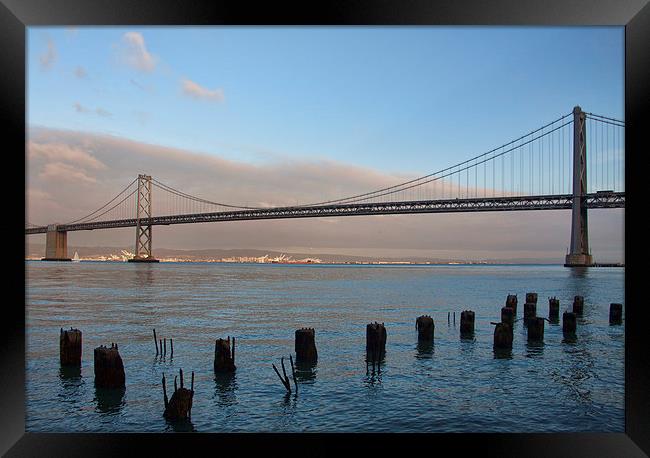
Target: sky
<point>273,114</point>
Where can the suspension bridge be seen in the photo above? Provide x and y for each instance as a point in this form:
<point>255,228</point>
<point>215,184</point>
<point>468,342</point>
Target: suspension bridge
<point>545,169</point>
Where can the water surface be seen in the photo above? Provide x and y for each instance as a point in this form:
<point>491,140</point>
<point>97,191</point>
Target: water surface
<point>456,385</point>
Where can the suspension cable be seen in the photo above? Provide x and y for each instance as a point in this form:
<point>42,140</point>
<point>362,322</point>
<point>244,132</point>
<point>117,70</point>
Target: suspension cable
<point>105,205</point>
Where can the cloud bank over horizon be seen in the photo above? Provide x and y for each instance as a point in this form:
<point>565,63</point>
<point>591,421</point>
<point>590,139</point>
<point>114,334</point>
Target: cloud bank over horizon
<point>70,174</point>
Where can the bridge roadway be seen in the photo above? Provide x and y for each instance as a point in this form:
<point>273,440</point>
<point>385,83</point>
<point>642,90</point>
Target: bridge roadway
<point>482,204</point>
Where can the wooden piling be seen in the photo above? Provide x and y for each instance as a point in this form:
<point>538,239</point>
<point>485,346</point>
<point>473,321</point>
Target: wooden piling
<point>155,340</point>
<point>109,369</point>
<point>569,323</point>
<point>578,305</point>
<point>530,312</point>
<point>466,323</point>
<point>553,309</point>
<point>615,313</point>
<point>536,329</point>
<point>511,301</point>
<point>375,341</point>
<point>70,347</point>
<point>508,316</point>
<point>179,406</point>
<point>426,327</point>
<point>224,359</point>
<point>503,335</point>
<point>305,345</point>
<point>171,343</point>
<point>531,297</point>
<point>165,346</point>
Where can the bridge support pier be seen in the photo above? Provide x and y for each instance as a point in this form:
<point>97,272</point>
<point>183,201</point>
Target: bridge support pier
<point>579,255</point>
<point>56,245</point>
<point>142,230</point>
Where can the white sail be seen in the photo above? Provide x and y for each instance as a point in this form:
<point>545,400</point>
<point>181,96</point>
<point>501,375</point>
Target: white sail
<point>76,257</point>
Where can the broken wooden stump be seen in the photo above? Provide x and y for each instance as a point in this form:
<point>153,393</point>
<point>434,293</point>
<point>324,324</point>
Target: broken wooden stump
<point>179,407</point>
<point>305,345</point>
<point>530,312</point>
<point>109,370</point>
<point>466,323</point>
<point>425,326</point>
<point>224,356</point>
<point>553,309</point>
<point>285,379</point>
<point>511,301</point>
<point>375,341</point>
<point>578,305</point>
<point>70,347</point>
<point>503,335</point>
<point>536,329</point>
<point>155,341</point>
<point>507,316</point>
<point>569,323</point>
<point>615,313</point>
<point>531,297</point>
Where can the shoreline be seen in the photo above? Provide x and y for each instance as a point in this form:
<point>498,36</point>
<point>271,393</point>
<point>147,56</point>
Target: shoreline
<point>348,263</point>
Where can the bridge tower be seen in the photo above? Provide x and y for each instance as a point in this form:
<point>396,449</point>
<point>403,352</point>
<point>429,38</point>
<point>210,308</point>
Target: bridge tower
<point>56,244</point>
<point>142,229</point>
<point>579,255</point>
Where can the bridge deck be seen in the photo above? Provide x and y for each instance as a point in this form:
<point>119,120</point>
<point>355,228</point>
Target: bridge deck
<point>513,203</point>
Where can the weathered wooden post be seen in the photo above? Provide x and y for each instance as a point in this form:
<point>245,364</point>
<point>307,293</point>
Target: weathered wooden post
<point>536,329</point>
<point>224,357</point>
<point>179,407</point>
<point>507,315</point>
<point>511,301</point>
<point>578,305</point>
<point>553,309</point>
<point>70,347</point>
<point>155,340</point>
<point>530,312</point>
<point>615,313</point>
<point>531,297</point>
<point>466,323</point>
<point>109,369</point>
<point>305,345</point>
<point>375,341</point>
<point>569,323</point>
<point>425,326</point>
<point>503,335</point>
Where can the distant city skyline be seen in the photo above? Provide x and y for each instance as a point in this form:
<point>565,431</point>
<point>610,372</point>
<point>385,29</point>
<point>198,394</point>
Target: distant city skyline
<point>278,116</point>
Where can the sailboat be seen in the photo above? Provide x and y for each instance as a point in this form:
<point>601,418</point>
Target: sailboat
<point>76,257</point>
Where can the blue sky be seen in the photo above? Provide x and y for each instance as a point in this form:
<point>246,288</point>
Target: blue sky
<point>396,99</point>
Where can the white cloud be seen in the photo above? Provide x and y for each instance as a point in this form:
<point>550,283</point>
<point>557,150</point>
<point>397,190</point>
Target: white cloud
<point>135,54</point>
<point>48,58</point>
<point>98,111</point>
<point>58,172</point>
<point>196,91</point>
<point>58,152</point>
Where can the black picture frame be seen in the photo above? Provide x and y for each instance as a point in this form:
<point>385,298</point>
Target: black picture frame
<point>16,15</point>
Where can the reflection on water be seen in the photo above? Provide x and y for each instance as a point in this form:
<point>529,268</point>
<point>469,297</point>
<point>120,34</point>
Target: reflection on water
<point>534,349</point>
<point>578,272</point>
<point>373,375</point>
<point>180,426</point>
<point>70,375</point>
<point>424,349</point>
<point>109,400</point>
<point>502,353</point>
<point>71,383</point>
<point>144,274</point>
<point>306,371</point>
<point>225,387</point>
